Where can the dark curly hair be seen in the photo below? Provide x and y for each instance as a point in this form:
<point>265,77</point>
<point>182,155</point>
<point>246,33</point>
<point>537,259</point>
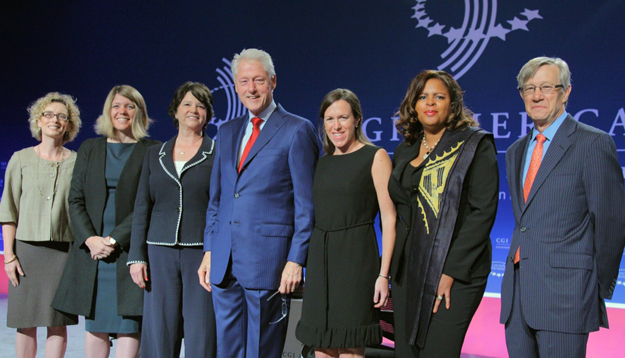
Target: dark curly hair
<point>408,124</point>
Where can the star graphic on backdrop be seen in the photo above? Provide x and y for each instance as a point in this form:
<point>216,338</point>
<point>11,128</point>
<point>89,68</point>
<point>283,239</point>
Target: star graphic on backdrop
<point>418,14</point>
<point>531,14</point>
<point>518,24</point>
<point>418,7</point>
<point>498,31</point>
<point>475,35</point>
<point>436,29</point>
<point>424,22</point>
<point>453,34</point>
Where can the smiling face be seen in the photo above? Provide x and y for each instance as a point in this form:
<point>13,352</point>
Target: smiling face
<point>191,113</point>
<point>433,106</point>
<point>254,86</point>
<point>122,114</point>
<point>54,127</point>
<point>542,108</point>
<point>340,127</point>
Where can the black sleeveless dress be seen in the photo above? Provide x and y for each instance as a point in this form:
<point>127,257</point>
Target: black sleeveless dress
<point>343,258</point>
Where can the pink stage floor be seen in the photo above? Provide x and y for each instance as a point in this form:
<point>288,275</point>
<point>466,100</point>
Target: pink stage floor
<point>485,338</point>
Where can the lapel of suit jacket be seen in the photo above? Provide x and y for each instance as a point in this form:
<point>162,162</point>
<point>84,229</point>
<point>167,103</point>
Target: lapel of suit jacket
<point>205,149</point>
<point>519,160</point>
<point>275,121</point>
<point>98,168</point>
<point>166,158</point>
<point>235,138</point>
<point>134,163</point>
<point>130,173</point>
<point>557,149</point>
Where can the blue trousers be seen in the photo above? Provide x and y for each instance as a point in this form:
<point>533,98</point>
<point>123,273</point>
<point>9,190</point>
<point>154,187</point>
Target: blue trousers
<point>250,323</point>
<point>175,306</point>
<point>524,342</point>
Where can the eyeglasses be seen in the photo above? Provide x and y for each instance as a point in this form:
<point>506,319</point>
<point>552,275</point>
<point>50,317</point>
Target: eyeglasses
<point>547,88</point>
<point>285,309</point>
<point>61,116</point>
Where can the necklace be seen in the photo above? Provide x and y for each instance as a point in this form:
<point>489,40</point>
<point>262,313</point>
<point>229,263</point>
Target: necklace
<point>191,145</point>
<point>55,171</point>
<point>429,150</point>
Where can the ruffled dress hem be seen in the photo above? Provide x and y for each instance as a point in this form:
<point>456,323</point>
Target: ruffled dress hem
<point>349,337</point>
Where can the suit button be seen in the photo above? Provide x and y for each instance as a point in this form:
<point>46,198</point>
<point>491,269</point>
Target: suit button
<point>407,228</point>
<point>523,229</point>
<point>236,195</point>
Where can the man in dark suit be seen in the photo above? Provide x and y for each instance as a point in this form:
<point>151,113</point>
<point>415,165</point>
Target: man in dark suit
<point>569,210</point>
<point>260,215</point>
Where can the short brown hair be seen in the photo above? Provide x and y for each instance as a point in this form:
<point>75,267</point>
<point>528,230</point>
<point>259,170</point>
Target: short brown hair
<point>199,91</point>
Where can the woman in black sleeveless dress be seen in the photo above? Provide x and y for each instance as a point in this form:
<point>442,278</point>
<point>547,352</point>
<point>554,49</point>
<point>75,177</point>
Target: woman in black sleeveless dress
<point>345,282</point>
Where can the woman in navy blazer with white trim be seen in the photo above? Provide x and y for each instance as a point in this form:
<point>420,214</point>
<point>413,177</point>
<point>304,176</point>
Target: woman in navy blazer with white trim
<point>168,231</point>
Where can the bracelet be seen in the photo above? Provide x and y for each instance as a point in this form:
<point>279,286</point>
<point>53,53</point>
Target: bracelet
<point>11,260</point>
<point>386,277</point>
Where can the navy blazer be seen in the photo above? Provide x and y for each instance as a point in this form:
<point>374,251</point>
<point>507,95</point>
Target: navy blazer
<point>261,217</point>
<point>170,209</point>
<point>571,231</point>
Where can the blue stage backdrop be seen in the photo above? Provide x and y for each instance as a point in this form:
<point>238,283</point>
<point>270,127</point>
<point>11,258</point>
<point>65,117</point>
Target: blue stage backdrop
<point>372,47</point>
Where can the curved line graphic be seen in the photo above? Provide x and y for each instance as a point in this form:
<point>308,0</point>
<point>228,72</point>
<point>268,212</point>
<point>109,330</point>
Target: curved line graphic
<point>465,42</point>
<point>223,79</point>
<point>465,22</point>
<point>240,110</point>
<point>479,52</point>
<point>479,27</point>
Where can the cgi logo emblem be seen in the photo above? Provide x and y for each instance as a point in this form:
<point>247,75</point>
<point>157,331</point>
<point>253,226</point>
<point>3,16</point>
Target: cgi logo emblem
<point>467,43</point>
<point>235,108</point>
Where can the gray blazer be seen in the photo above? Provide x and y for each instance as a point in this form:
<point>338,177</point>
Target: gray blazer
<point>571,231</point>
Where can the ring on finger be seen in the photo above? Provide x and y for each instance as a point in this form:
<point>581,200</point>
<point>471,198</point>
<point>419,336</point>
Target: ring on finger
<point>439,297</point>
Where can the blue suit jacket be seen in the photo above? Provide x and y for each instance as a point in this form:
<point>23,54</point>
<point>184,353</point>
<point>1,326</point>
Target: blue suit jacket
<point>263,216</point>
<point>571,231</point>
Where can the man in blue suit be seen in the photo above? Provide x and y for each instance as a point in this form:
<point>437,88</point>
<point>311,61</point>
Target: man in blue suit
<point>568,201</point>
<point>260,215</point>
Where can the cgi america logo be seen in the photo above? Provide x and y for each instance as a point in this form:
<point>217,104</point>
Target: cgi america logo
<point>224,94</point>
<point>467,42</point>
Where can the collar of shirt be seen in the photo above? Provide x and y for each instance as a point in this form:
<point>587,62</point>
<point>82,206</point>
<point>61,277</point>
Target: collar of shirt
<point>249,127</point>
<point>264,115</point>
<point>550,131</point>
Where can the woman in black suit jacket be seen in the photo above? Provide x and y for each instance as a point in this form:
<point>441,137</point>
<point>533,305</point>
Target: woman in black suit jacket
<point>96,283</point>
<point>445,184</point>
<point>167,244</point>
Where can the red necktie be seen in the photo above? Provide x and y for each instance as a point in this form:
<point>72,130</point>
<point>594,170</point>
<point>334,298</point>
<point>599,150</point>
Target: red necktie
<point>537,157</point>
<point>250,142</point>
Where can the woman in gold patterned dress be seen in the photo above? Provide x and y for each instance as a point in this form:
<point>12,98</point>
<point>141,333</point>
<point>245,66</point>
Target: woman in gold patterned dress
<point>445,184</point>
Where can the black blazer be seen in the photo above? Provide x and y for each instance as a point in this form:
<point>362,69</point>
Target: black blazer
<point>470,251</point>
<point>87,199</point>
<point>170,209</point>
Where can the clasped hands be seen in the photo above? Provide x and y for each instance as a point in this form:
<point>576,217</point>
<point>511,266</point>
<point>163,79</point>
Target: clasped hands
<point>100,247</point>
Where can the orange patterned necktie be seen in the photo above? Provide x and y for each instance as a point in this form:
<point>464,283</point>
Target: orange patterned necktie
<point>250,142</point>
<point>537,157</point>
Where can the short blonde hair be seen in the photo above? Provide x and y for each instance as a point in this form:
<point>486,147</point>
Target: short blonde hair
<point>36,110</point>
<point>141,121</point>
